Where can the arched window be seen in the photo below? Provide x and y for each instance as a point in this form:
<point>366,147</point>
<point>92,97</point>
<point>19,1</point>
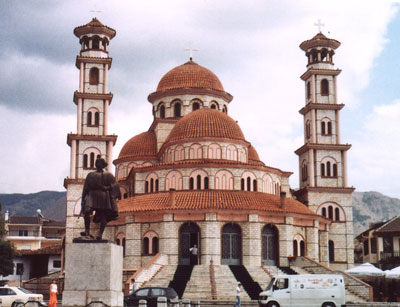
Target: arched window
<point>330,212</point>
<point>324,87</point>
<point>308,90</point>
<point>322,169</point>
<point>92,160</point>
<point>213,106</point>
<point>225,109</point>
<point>329,128</point>
<point>324,212</point>
<point>323,129</point>
<point>324,54</point>
<point>156,185</point>
<point>154,242</point>
<point>302,248</point>
<point>89,118</point>
<point>331,251</point>
<point>198,181</point>
<point>191,183</point>
<point>146,246</point>
<point>334,167</point>
<point>328,167</point>
<point>337,214</point>
<point>205,183</point>
<point>295,252</point>
<point>223,180</point>
<point>195,106</point>
<point>85,161</point>
<point>304,171</point>
<point>308,129</point>
<point>248,184</point>
<point>151,185</point>
<point>94,76</point>
<point>146,187</point>
<point>255,185</point>
<point>177,109</point>
<point>96,118</point>
<point>162,111</point>
<point>326,126</point>
<point>95,43</point>
<point>242,184</point>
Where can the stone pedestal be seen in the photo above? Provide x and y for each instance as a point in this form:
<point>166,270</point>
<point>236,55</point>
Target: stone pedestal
<point>93,272</point>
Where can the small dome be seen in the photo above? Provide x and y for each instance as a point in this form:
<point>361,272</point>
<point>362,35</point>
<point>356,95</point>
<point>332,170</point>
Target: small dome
<point>253,155</point>
<point>319,40</point>
<point>206,123</point>
<point>140,146</point>
<point>94,27</point>
<point>191,75</point>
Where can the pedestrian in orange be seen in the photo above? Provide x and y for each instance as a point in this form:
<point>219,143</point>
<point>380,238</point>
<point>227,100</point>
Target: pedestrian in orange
<point>53,294</point>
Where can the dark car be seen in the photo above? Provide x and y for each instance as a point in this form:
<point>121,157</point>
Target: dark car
<point>151,294</point>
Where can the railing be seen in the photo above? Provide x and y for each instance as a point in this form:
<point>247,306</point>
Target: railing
<point>18,233</point>
<point>392,258</point>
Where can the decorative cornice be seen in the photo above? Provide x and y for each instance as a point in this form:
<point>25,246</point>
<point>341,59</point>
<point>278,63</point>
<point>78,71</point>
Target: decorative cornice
<point>84,59</point>
<point>308,146</point>
<point>320,106</point>
<point>315,71</point>
<point>189,90</point>
<point>84,137</point>
<point>77,95</point>
<point>341,190</point>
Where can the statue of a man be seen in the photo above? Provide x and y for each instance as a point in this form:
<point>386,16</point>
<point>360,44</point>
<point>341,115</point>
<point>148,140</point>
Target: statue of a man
<point>100,192</point>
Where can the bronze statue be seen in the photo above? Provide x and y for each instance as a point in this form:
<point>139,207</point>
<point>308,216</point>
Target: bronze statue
<point>99,195</point>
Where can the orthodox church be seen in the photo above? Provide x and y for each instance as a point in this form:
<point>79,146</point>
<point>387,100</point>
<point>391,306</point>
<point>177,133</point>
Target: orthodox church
<point>192,178</point>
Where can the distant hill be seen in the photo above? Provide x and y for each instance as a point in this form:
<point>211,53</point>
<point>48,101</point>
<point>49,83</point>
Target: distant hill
<point>372,207</point>
<point>368,207</point>
<point>52,204</point>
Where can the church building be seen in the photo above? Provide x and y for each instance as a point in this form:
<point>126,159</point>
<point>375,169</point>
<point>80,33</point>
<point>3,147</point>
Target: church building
<point>192,177</point>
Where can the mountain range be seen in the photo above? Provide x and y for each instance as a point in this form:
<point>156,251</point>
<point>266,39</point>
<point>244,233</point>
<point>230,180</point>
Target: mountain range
<point>368,207</point>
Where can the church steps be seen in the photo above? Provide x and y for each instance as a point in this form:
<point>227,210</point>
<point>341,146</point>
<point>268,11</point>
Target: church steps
<point>199,285</point>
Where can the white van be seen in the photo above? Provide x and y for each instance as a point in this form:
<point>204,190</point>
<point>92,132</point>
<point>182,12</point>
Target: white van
<point>304,290</point>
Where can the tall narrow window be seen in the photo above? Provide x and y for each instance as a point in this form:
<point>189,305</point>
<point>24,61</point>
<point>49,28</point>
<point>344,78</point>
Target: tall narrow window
<point>205,183</point>
<point>146,246</point>
<point>324,87</point>
<point>331,251</point>
<point>255,185</point>
<point>155,245</point>
<point>308,90</point>
<point>323,130</point>
<point>322,169</point>
<point>324,212</point>
<point>295,252</point>
<point>334,167</point>
<point>92,160</point>
<point>248,184</point>
<point>191,183</point>
<point>156,185</point>
<point>95,43</point>
<point>328,168</point>
<point>177,109</point>
<point>329,128</point>
<point>96,118</point>
<point>330,212</point>
<point>162,112</point>
<point>302,248</point>
<point>337,214</point>
<point>151,185</point>
<point>85,161</point>
<point>94,76</point>
<point>89,118</point>
<point>242,184</point>
<point>198,183</point>
<point>146,187</point>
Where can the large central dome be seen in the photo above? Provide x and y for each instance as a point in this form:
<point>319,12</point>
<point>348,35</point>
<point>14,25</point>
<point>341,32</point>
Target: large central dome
<point>206,123</point>
<point>190,75</point>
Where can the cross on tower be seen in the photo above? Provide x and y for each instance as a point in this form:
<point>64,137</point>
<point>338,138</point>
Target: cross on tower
<point>191,49</point>
<point>319,24</point>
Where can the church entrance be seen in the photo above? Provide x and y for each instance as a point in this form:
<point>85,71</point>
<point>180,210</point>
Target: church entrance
<point>270,245</point>
<point>231,244</point>
<point>189,236</point>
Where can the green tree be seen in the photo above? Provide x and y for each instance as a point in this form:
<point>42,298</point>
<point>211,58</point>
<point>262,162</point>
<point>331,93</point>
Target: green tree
<point>7,250</point>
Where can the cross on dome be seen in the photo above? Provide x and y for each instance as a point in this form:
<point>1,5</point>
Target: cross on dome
<point>319,24</point>
<point>191,49</point>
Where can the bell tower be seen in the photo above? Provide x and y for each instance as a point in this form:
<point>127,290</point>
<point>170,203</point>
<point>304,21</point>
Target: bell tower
<point>92,138</point>
<point>322,158</point>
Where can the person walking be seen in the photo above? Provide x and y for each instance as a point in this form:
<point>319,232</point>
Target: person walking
<point>238,295</point>
<point>53,291</point>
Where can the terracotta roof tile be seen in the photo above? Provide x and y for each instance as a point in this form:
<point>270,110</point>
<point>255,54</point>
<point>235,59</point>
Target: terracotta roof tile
<point>49,250</point>
<point>94,26</point>
<point>197,200</point>
<point>191,75</point>
<point>141,145</point>
<point>205,123</point>
<point>35,220</point>
<point>391,225</point>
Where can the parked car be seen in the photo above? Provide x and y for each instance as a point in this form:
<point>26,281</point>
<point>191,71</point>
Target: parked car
<point>150,294</point>
<point>10,296</point>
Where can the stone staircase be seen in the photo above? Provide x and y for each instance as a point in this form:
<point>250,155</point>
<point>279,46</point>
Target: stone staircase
<point>162,278</point>
<point>226,284</point>
<point>199,286</point>
<point>259,275</point>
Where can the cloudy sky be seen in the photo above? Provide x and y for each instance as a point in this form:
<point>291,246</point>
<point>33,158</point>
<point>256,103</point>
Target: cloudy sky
<point>252,46</point>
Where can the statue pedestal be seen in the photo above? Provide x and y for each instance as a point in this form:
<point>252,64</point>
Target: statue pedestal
<point>93,272</point>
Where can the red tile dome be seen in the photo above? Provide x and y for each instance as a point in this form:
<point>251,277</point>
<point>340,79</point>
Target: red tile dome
<point>190,78</point>
<point>141,146</point>
<point>190,74</point>
<point>206,123</point>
